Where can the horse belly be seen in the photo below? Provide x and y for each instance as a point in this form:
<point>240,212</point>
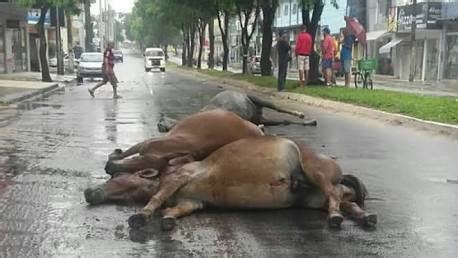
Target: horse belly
<point>276,194</point>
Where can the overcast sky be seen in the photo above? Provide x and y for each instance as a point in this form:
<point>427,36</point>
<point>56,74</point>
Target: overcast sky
<point>124,6</point>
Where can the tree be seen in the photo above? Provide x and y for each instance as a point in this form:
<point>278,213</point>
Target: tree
<point>314,8</point>
<point>44,6</point>
<point>269,7</point>
<point>211,36</point>
<point>246,11</point>
<point>88,26</point>
<point>223,25</point>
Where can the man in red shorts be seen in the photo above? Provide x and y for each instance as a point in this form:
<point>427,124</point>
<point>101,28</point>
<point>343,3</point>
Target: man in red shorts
<point>108,72</point>
<point>303,51</point>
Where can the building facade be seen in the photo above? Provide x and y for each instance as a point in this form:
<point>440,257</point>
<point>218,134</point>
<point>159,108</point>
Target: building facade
<point>389,32</point>
<point>14,55</point>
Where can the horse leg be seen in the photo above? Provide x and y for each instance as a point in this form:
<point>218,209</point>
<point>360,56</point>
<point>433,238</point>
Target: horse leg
<point>183,208</point>
<point>267,104</point>
<point>128,165</point>
<point>367,219</point>
<point>169,186</point>
<point>332,194</point>
<point>119,154</point>
<point>353,210</point>
<point>271,122</point>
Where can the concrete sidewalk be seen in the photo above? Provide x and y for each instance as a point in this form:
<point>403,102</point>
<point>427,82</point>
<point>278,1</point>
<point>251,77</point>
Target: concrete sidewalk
<point>16,87</point>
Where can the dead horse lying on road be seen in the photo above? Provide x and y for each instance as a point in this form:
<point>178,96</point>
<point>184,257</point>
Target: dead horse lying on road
<point>193,138</point>
<point>255,172</point>
<point>246,106</point>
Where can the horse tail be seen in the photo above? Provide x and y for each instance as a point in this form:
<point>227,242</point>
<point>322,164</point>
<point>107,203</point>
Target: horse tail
<point>358,186</point>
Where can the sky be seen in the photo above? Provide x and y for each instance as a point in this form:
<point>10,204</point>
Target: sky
<point>124,6</point>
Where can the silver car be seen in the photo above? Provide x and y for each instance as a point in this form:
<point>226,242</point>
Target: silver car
<point>90,66</point>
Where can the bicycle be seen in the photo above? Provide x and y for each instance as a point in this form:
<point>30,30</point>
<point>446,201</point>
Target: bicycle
<point>363,75</point>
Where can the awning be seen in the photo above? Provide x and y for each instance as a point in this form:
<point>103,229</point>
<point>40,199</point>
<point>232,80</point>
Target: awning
<point>373,35</point>
<point>385,49</point>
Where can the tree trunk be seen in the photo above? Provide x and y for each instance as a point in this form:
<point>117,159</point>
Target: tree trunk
<point>211,35</point>
<point>192,33</point>
<point>185,45</point>
<point>202,26</point>
<point>312,28</point>
<point>223,27</point>
<point>88,26</point>
<point>71,54</point>
<point>45,76</point>
<point>246,36</point>
<point>268,11</point>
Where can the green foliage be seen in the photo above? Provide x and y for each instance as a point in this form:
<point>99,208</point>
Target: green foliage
<point>68,5</point>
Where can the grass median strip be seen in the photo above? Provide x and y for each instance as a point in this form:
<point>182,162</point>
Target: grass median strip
<point>438,109</point>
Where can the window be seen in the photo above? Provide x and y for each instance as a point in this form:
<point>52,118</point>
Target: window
<point>286,12</point>
<point>294,8</point>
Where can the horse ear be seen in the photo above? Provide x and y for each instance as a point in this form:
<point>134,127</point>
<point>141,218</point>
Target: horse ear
<point>149,173</point>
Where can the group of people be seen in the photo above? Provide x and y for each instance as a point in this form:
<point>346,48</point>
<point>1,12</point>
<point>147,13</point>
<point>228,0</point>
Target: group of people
<point>303,51</point>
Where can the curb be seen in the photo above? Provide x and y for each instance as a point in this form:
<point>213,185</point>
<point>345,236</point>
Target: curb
<point>338,107</point>
<point>28,95</point>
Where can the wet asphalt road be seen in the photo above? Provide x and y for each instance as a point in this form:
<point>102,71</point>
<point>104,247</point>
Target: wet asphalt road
<point>55,147</point>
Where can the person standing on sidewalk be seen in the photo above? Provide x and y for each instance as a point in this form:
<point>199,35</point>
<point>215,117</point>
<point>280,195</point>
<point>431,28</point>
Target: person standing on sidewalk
<point>283,49</point>
<point>108,72</point>
<point>327,50</point>
<point>303,51</point>
<point>346,55</point>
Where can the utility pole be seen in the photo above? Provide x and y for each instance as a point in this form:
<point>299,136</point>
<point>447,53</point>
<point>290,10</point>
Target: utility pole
<point>413,50</point>
<point>101,26</point>
<point>60,61</point>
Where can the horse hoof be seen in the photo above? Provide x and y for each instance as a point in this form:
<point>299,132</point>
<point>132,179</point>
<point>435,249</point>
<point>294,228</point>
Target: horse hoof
<point>168,224</point>
<point>370,220</point>
<point>94,196</point>
<point>335,220</point>
<point>137,221</point>
<point>115,154</point>
<point>311,123</point>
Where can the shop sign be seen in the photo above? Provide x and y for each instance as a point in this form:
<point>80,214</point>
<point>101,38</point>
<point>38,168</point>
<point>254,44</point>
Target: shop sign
<point>450,11</point>
<point>427,16</point>
<point>33,15</point>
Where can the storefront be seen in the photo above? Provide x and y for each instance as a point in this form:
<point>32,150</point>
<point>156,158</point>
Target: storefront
<point>13,39</point>
<point>428,42</point>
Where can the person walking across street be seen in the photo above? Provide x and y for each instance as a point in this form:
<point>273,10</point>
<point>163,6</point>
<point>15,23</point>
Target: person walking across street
<point>108,72</point>
<point>303,51</point>
<point>283,49</point>
<point>346,55</point>
<point>327,50</point>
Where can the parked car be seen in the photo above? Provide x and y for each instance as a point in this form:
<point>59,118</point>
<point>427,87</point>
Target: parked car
<point>154,59</point>
<point>254,65</point>
<point>118,56</point>
<point>90,66</point>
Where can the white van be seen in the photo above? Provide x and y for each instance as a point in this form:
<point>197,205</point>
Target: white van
<point>154,59</point>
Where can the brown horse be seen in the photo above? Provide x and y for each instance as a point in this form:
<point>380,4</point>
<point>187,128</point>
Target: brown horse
<point>193,138</point>
<point>255,172</point>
